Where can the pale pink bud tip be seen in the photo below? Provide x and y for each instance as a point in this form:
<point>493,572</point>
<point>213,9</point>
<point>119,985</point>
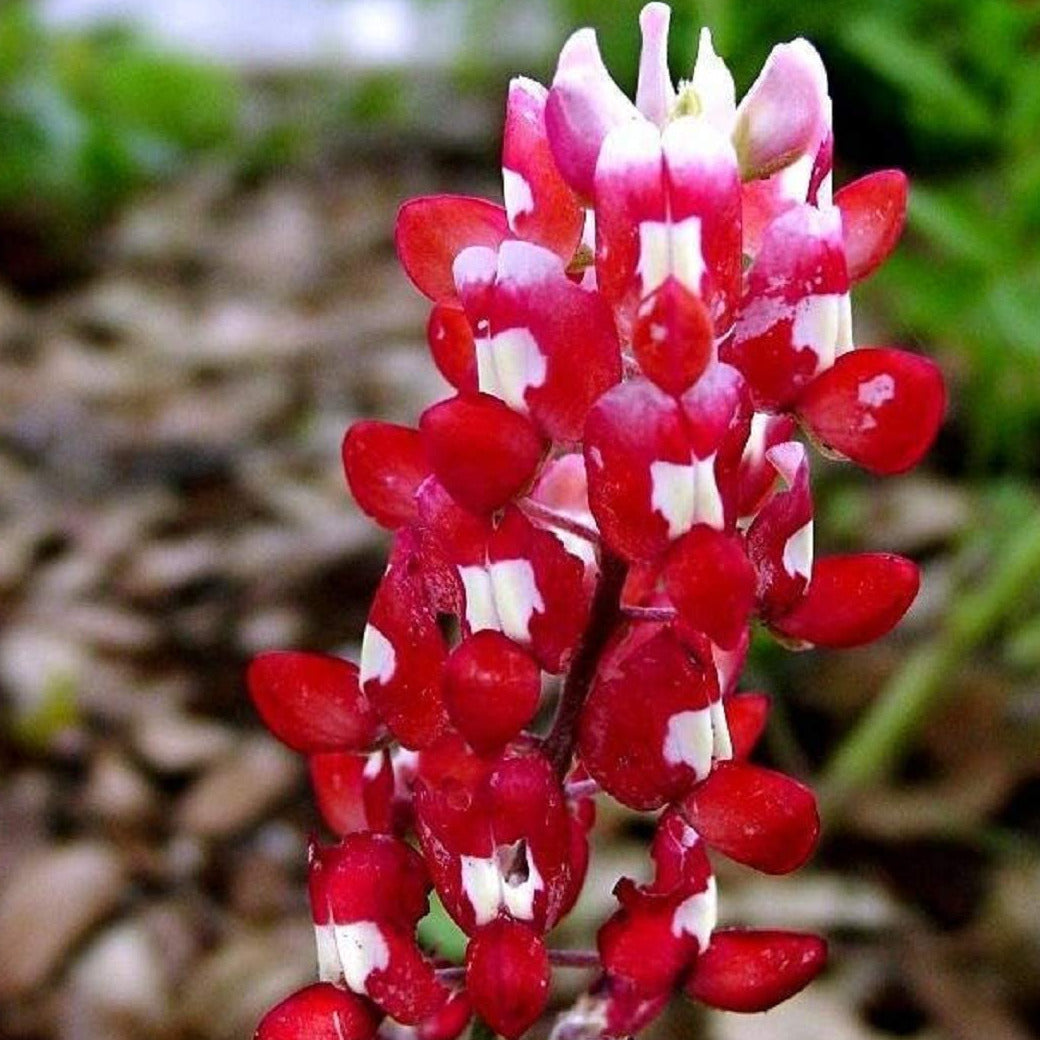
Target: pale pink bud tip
<point>784,114</point>
<point>655,94</point>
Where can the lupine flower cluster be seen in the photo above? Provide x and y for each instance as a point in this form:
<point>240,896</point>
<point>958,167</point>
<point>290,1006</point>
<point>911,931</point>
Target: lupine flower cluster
<point>613,495</point>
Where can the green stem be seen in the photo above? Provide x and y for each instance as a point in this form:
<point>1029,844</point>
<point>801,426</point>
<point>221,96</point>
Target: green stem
<point>883,735</point>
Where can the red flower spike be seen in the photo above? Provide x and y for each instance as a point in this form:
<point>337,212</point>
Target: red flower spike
<point>646,733</point>
<point>673,337</point>
<point>491,690</point>
<point>432,231</point>
<point>312,702</point>
<point>384,465</point>
<point>756,475</point>
<point>755,970</point>
<point>507,976</point>
<point>780,541</point>
<point>403,651</point>
<point>480,450</point>
<point>354,792</point>
<point>320,1012</point>
<point>755,816</point>
<point>879,408</point>
<point>449,1021</point>
<point>712,584</point>
<point>746,715</point>
<point>452,346</point>
<point>851,600</point>
<point>873,212</point>
<point>540,206</point>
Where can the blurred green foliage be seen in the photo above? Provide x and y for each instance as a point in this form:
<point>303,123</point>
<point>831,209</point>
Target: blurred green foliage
<point>85,119</point>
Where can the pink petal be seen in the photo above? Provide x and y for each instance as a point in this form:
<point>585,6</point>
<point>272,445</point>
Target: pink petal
<point>712,584</point>
<point>873,211</point>
<point>785,114</point>
<point>320,1012</point>
<point>537,315</point>
<point>755,816</point>
<point>431,231</point>
<point>755,970</point>
<point>756,475</point>
<point>879,408</point>
<point>584,104</point>
<point>851,600</point>
<point>792,324</point>
<point>645,733</point>
<point>655,95</point>
<point>354,792</point>
<point>384,465</point>
<point>312,702</point>
<point>451,343</point>
<point>507,976</point>
<point>540,206</point>
<point>491,690</point>
<point>703,188</point>
<point>673,338</point>
<point>480,450</point>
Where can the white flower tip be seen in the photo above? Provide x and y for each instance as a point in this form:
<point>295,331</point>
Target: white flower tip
<point>579,53</point>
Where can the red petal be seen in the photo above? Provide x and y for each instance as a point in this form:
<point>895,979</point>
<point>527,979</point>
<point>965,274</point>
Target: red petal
<point>385,464</point>
<point>673,337</point>
<point>746,714</point>
<point>433,230</point>
<point>321,1012</point>
<point>755,970</point>
<point>641,944</point>
<point>354,792</point>
<point>368,877</point>
<point>851,600</point>
<point>407,988</point>
<point>645,733</point>
<point>403,651</point>
<point>312,702</point>
<point>780,541</point>
<point>633,432</point>
<point>540,206</point>
<point>507,975</point>
<point>681,864</point>
<point>483,452</point>
<point>879,408</point>
<point>755,816</point>
<point>712,584</point>
<point>451,343</point>
<point>449,1021</point>
<point>491,690</point>
<point>873,211</point>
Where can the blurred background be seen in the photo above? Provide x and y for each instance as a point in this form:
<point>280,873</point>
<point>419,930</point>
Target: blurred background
<point>198,293</point>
